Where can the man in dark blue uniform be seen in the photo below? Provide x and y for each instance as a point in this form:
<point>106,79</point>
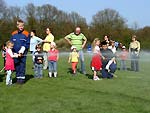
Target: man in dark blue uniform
<point>21,40</point>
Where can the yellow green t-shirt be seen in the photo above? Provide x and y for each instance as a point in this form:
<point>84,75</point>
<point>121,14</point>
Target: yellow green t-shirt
<point>76,40</point>
<point>74,56</point>
<point>46,46</point>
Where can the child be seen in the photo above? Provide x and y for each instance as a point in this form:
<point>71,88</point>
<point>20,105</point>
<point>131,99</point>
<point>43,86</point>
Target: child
<point>73,58</point>
<point>33,42</point>
<point>123,57</point>
<point>96,63</point>
<point>53,56</point>
<point>38,62</point>
<point>4,53</point>
<point>9,64</point>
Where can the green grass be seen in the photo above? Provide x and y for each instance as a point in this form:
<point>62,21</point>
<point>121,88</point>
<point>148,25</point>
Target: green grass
<point>129,93</point>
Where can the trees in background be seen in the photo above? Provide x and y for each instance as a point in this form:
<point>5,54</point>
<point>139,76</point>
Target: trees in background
<point>105,22</point>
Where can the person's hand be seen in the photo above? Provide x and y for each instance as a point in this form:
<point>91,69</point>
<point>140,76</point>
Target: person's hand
<point>103,58</point>
<point>16,55</point>
<point>20,55</point>
<point>82,46</point>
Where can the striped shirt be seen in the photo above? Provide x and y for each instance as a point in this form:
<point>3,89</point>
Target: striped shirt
<point>76,40</point>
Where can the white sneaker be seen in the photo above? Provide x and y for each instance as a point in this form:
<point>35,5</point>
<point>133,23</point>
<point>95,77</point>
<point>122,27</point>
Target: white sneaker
<point>50,74</point>
<point>96,78</point>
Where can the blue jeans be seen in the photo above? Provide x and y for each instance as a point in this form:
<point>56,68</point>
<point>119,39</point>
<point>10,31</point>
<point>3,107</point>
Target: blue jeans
<point>52,66</point>
<point>81,57</point>
<point>8,77</point>
<point>38,70</point>
<point>123,65</point>
<point>134,62</point>
<point>45,60</point>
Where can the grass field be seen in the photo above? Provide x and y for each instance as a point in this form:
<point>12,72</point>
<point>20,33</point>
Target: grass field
<point>128,93</point>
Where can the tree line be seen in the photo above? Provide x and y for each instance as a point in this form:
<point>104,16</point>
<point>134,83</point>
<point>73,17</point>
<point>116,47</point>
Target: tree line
<point>104,22</point>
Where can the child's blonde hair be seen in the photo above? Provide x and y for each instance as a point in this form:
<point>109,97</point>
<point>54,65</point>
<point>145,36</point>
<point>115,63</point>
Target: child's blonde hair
<point>54,44</point>
<point>94,42</point>
<point>9,43</point>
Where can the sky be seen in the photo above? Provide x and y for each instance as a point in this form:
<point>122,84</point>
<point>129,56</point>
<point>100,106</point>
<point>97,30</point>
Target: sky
<point>134,11</point>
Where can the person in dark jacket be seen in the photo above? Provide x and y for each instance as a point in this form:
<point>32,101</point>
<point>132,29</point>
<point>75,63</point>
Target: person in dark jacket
<point>108,61</point>
<point>21,40</point>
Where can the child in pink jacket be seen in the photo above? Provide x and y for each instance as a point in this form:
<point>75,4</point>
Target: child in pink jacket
<point>9,64</point>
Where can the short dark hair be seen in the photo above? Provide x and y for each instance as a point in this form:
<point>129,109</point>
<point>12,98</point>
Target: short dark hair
<point>38,46</point>
<point>34,31</point>
<point>19,21</point>
<point>103,43</point>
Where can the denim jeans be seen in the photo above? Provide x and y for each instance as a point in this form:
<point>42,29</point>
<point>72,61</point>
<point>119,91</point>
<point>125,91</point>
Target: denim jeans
<point>8,78</point>
<point>52,66</point>
<point>134,62</point>
<point>123,65</point>
<point>45,60</point>
<point>81,57</point>
<point>38,70</point>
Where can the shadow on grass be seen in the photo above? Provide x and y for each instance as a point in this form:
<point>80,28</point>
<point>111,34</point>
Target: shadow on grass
<point>89,76</point>
<point>2,77</point>
<point>127,69</point>
<point>69,70</point>
<point>27,78</point>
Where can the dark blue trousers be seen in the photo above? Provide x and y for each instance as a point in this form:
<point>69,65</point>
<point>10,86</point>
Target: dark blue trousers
<point>106,74</point>
<point>20,67</point>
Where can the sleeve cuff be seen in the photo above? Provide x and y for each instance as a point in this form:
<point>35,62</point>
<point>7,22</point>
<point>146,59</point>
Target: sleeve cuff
<point>22,49</point>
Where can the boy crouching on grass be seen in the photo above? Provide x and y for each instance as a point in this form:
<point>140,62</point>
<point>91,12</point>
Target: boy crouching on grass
<point>108,61</point>
<point>53,56</point>
<point>38,62</point>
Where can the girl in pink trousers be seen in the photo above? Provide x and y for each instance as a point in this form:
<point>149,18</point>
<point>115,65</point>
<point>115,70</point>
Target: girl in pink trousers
<point>9,64</point>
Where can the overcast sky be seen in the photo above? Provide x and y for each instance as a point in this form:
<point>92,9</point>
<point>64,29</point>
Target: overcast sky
<point>132,10</point>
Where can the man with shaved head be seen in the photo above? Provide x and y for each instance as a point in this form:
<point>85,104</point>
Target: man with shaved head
<point>78,40</point>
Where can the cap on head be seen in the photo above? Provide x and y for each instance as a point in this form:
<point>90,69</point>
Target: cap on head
<point>53,43</point>
<point>123,47</point>
<point>73,47</point>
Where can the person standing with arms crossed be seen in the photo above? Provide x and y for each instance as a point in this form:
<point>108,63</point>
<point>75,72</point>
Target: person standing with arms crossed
<point>21,40</point>
<point>47,45</point>
<point>78,40</point>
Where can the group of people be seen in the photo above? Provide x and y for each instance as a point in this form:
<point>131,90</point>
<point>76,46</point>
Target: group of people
<point>45,54</point>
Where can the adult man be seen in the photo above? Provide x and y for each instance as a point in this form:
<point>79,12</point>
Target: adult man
<point>134,49</point>
<point>108,61</point>
<point>78,40</point>
<point>21,41</point>
<point>46,46</point>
